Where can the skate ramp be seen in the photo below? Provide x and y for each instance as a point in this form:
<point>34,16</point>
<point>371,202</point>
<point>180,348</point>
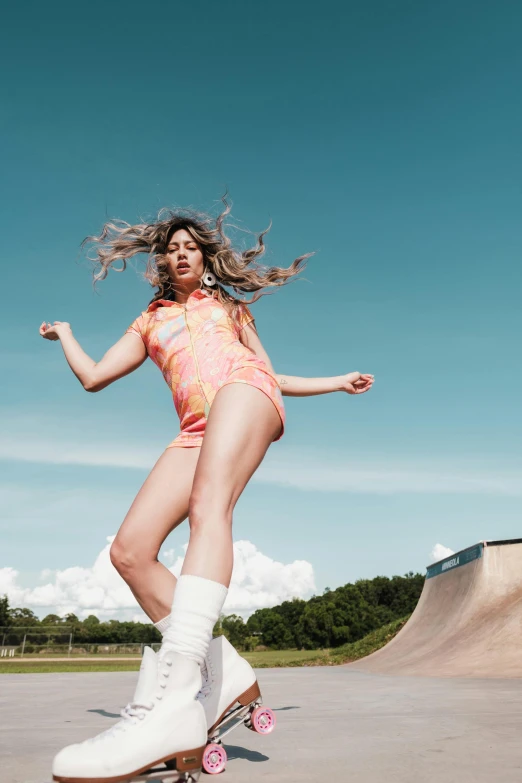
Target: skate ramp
<point>468,621</point>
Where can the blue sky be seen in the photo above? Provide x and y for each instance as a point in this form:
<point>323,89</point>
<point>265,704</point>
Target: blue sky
<point>384,136</point>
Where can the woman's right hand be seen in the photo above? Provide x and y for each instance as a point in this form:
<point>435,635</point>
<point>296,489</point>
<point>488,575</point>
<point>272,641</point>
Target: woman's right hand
<point>53,332</point>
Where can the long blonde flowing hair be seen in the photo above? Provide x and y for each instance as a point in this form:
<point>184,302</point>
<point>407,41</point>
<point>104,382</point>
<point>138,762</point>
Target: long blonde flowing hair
<point>119,241</point>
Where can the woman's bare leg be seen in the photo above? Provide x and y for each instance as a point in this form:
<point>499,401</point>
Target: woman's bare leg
<point>161,504</point>
<point>241,426</point>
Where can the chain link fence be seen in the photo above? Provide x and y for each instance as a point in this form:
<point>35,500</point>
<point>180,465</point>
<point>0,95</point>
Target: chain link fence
<point>58,643</point>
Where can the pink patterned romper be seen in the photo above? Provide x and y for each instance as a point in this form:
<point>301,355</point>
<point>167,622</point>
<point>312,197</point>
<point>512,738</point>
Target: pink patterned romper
<point>197,348</point>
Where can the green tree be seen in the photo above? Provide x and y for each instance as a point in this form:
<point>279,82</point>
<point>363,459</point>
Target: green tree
<point>4,611</point>
<point>250,643</point>
<point>23,617</point>
<point>52,619</point>
<point>235,630</point>
<point>338,616</point>
<point>218,627</point>
<point>270,624</point>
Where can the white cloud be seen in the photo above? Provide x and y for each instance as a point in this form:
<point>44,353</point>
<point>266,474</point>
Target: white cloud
<point>439,552</point>
<point>258,581</point>
<point>320,472</point>
<point>61,451</point>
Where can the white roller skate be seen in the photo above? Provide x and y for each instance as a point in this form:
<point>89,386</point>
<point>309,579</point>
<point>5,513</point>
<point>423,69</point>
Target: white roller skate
<point>162,734</point>
<point>230,696</point>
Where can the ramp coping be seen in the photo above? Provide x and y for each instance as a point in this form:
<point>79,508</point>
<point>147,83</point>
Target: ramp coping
<point>501,542</point>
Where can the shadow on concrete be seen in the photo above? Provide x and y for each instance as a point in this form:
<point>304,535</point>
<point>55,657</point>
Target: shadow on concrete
<point>106,714</point>
<point>283,709</point>
<point>235,752</point>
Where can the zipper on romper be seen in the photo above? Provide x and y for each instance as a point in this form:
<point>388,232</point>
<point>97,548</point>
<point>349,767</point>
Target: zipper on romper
<point>207,404</point>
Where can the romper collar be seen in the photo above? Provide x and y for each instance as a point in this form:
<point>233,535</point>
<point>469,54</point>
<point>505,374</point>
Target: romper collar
<point>199,293</point>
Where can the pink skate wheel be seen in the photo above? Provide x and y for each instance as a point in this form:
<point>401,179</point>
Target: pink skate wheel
<point>262,720</point>
<point>214,759</point>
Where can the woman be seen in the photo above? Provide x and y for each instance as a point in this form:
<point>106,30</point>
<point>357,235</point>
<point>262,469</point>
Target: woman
<point>229,401</point>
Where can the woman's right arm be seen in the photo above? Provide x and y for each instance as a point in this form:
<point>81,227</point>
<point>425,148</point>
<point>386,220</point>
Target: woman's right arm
<point>125,356</point>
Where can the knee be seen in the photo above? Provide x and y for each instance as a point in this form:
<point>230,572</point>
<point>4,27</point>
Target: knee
<point>127,559</point>
<point>209,509</point>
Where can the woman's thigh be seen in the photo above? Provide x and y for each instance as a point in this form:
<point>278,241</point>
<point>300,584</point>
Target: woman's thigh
<point>241,425</point>
<point>161,504</point>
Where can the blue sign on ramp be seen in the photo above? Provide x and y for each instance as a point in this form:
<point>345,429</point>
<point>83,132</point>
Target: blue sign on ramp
<point>455,561</point>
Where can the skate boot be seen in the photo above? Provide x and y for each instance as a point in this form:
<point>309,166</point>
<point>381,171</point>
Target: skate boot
<point>162,734</point>
<point>230,696</point>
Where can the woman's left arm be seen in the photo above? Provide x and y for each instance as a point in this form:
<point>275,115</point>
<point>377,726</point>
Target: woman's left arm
<point>295,386</point>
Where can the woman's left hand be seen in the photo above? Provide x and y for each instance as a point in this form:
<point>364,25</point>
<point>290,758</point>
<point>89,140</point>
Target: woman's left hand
<point>356,382</point>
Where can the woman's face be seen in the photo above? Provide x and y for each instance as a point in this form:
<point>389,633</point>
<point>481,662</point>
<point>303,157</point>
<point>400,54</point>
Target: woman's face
<point>184,260</point>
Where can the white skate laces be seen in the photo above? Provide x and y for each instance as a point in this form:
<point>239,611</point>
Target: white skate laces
<point>137,711</point>
<point>209,677</point>
<point>131,715</point>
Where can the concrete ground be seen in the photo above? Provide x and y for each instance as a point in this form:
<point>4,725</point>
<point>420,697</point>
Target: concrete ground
<point>334,724</point>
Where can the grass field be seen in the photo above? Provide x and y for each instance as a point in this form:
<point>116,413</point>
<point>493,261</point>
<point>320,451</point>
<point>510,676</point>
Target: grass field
<point>267,658</point>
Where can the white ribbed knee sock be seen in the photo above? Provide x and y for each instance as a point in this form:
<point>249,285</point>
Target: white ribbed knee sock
<point>163,624</point>
<point>196,608</point>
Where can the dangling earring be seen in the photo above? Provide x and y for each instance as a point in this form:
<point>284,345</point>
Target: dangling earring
<point>209,279</point>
